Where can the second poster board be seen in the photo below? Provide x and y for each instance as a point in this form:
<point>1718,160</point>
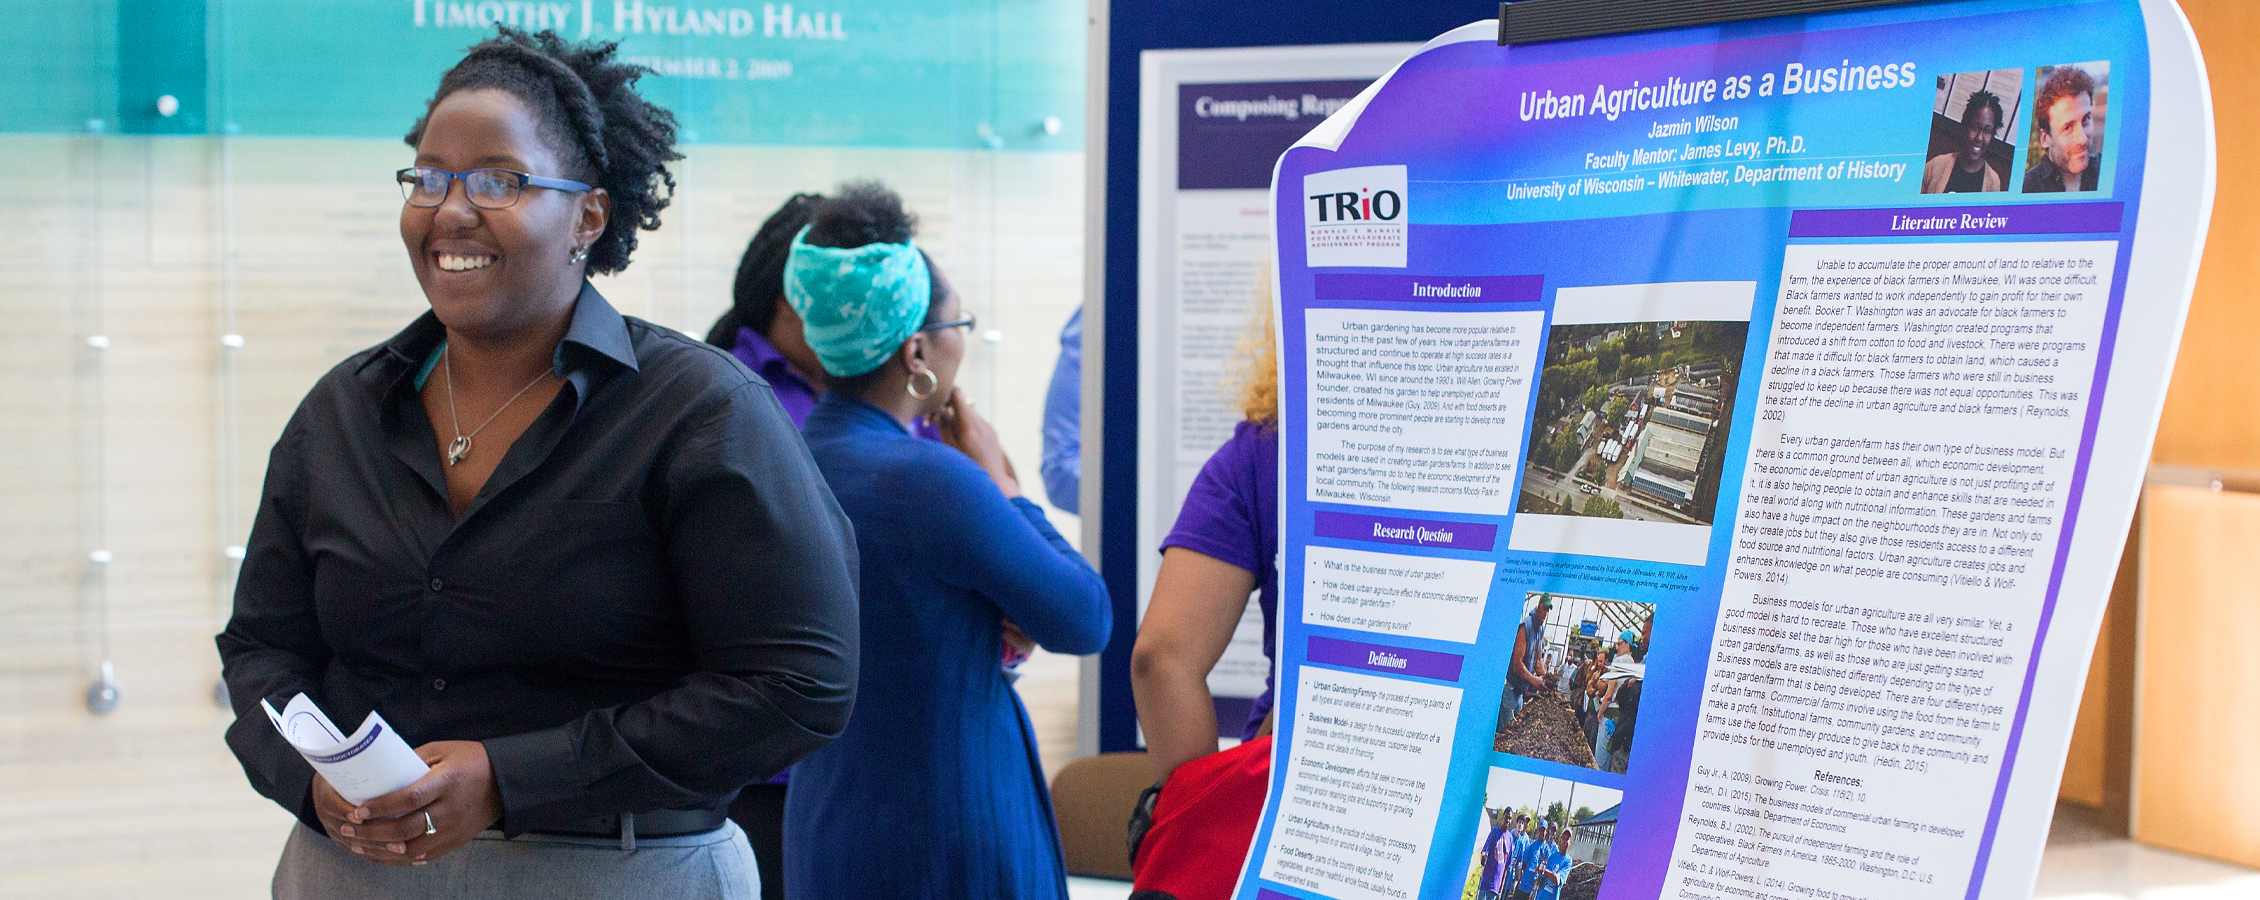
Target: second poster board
<point>1212,122</point>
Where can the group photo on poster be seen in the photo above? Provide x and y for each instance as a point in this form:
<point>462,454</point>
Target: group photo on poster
<point>1543,839</point>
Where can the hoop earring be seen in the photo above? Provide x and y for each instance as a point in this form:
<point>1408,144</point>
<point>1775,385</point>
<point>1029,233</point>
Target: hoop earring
<point>933,383</point>
<point>580,255</point>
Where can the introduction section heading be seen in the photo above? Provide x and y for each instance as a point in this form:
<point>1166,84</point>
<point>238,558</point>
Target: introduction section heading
<point>1480,289</point>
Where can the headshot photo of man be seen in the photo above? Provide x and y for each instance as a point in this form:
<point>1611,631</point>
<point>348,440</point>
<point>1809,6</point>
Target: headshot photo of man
<point>2067,128</point>
<point>1970,122</point>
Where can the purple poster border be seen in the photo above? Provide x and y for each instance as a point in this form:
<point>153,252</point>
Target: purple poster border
<point>2107,349</point>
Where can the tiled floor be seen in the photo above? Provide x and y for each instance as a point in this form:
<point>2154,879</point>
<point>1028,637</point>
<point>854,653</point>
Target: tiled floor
<point>1097,889</point>
<point>2083,862</point>
<point>2086,863</point>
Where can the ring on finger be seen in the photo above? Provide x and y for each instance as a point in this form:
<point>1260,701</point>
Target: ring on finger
<point>429,828</point>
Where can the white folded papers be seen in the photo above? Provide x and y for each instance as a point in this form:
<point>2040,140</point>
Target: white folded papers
<point>370,763</point>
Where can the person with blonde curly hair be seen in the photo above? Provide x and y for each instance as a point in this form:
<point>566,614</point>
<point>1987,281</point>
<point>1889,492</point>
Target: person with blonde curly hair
<point>1223,547</point>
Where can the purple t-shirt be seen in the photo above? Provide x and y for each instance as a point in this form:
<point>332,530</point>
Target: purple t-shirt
<point>793,391</point>
<point>1494,878</point>
<point>1232,514</point>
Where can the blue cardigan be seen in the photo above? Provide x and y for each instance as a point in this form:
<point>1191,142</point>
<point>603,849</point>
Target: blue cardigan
<point>934,790</point>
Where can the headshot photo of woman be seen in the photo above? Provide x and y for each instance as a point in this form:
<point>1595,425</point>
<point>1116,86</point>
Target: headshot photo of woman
<point>1970,121</point>
<point>583,564</point>
<point>935,788</point>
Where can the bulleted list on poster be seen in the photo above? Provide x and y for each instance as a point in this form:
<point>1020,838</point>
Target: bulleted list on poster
<point>1365,780</point>
<point>1395,593</point>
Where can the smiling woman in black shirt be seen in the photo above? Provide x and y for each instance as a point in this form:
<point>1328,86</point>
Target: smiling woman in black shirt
<point>584,564</point>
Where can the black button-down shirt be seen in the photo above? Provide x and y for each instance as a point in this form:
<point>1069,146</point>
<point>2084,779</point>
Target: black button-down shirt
<point>650,604</point>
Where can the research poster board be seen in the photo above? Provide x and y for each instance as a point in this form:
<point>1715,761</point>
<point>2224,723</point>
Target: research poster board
<point>1715,444</point>
<point>1212,123</point>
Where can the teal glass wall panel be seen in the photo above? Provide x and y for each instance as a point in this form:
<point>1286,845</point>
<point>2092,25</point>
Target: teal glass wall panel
<point>935,74</point>
<point>161,53</point>
<point>59,64</point>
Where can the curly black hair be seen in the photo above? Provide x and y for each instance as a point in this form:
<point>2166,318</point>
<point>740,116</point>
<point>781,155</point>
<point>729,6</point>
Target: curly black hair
<point>1983,100</point>
<point>760,285</point>
<point>590,113</point>
<point>859,213</point>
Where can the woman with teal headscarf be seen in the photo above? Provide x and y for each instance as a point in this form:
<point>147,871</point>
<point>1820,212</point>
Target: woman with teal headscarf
<point>934,789</point>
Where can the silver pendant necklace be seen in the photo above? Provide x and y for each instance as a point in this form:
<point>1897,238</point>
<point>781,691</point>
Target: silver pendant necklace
<point>461,446</point>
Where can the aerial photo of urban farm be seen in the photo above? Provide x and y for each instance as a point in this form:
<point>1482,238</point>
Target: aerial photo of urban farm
<point>1632,420</point>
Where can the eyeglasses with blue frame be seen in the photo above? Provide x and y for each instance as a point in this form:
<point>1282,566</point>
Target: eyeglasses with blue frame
<point>426,186</point>
<point>966,323</point>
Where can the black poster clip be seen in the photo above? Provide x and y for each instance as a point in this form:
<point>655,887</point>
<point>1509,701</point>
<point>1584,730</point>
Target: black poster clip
<point>1538,21</point>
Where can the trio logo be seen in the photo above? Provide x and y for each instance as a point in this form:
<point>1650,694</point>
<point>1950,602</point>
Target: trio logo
<point>1355,217</point>
<point>1384,205</point>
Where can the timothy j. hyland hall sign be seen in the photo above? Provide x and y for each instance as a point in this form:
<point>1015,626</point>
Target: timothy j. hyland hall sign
<point>867,73</point>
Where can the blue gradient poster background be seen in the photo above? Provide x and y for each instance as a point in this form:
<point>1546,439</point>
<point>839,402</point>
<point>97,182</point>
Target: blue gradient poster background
<point>1803,428</point>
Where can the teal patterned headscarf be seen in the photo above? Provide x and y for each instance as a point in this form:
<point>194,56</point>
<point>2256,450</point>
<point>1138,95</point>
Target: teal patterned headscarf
<point>857,304</point>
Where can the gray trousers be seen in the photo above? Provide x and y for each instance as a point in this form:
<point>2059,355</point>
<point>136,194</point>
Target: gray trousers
<point>717,865</point>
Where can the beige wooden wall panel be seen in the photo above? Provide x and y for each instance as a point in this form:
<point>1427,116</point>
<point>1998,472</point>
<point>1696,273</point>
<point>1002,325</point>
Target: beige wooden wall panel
<point>2211,406</point>
<point>2212,413</point>
<point>125,236</point>
<point>2084,764</point>
<point>2196,789</point>
<point>2096,771</point>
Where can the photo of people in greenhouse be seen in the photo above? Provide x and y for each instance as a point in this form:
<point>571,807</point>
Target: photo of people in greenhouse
<point>1572,694</point>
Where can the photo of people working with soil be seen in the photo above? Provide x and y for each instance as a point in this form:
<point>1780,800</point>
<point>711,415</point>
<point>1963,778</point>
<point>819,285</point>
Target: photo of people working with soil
<point>1573,684</point>
<point>1541,839</point>
<point>1632,420</point>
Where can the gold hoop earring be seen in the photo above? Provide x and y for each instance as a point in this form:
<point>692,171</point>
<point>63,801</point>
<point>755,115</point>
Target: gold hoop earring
<point>933,383</point>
